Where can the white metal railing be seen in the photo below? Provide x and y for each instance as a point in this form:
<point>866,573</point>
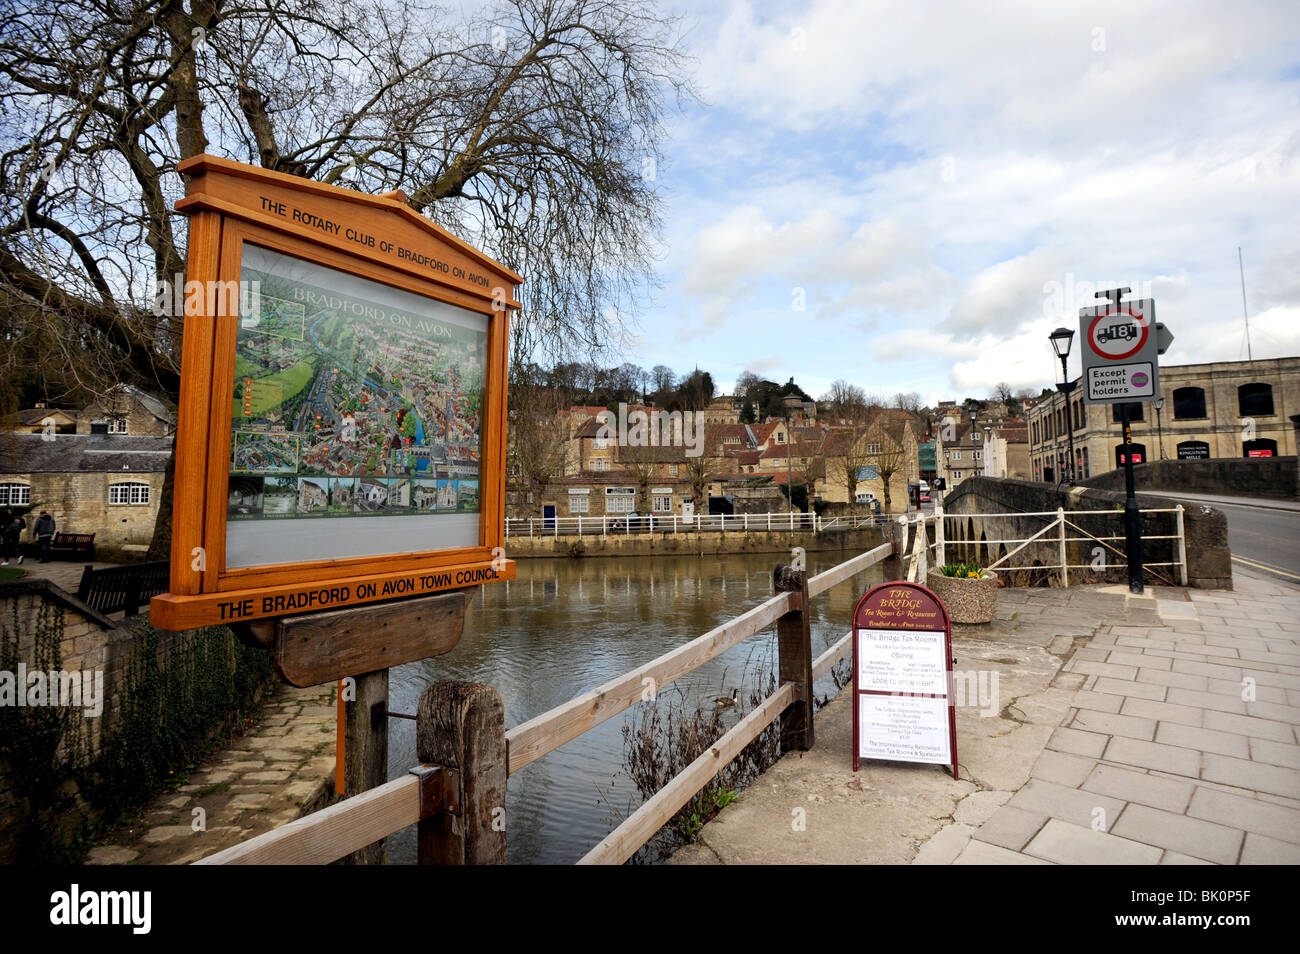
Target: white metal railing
<point>674,524</point>
<point>1060,530</point>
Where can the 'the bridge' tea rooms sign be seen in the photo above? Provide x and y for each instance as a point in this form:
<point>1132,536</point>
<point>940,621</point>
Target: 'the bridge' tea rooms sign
<point>902,678</point>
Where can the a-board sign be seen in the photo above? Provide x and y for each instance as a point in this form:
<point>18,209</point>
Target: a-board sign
<point>341,434</point>
<point>902,677</point>
<point>1120,352</point>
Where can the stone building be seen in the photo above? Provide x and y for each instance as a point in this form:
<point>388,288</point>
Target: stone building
<point>127,410</point>
<point>1213,410</point>
<point>1006,451</point>
<point>105,484</point>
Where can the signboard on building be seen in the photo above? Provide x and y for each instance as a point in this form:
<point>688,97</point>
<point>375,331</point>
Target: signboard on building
<point>342,418</point>
<point>1139,453</point>
<point>902,677</point>
<point>1193,450</point>
<point>1120,352</point>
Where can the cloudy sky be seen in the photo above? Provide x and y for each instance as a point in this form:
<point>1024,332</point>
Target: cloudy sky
<point>911,196</point>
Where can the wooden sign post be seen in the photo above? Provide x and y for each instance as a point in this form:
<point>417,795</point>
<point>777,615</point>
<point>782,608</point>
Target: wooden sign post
<point>340,476</point>
<point>903,708</point>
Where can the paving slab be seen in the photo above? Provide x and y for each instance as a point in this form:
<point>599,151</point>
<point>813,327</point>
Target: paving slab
<point>1170,734</point>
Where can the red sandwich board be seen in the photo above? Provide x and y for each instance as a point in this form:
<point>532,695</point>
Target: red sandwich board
<point>902,677</point>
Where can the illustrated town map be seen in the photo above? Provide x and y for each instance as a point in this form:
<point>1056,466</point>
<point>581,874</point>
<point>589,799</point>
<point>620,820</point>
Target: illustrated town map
<point>347,407</point>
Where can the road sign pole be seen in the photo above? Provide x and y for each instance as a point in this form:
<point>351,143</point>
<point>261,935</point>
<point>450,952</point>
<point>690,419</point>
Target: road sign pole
<point>1132,518</point>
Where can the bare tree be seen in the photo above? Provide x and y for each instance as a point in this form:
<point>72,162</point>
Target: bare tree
<point>537,439</point>
<point>845,457</point>
<point>847,401</point>
<point>699,470</point>
<point>529,127</point>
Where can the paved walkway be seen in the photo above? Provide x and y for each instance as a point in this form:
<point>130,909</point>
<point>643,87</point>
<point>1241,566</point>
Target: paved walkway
<point>283,768</point>
<point>1130,730</point>
<point>65,574</point>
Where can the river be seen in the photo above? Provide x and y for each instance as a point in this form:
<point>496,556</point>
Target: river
<point>564,626</point>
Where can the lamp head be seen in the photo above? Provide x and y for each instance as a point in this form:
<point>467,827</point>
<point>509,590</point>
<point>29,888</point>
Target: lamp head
<point>1062,339</point>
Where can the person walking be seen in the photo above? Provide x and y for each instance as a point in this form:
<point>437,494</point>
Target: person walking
<point>12,532</point>
<point>44,531</point>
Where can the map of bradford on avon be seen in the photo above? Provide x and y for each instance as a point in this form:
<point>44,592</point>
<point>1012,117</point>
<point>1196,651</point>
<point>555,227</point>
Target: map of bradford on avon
<point>344,406</point>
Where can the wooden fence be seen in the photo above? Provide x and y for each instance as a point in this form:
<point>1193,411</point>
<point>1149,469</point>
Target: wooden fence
<point>457,794</point>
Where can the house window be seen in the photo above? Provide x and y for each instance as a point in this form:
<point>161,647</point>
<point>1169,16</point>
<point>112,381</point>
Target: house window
<point>13,495</point>
<point>579,503</point>
<point>128,493</point>
<point>979,455</point>
<point>620,499</point>
<point>600,443</point>
<point>672,470</point>
<point>956,475</point>
<point>780,437</point>
<point>956,455</point>
<point>600,463</point>
<point>1255,399</point>
<point>661,503</point>
<point>117,425</point>
<point>1189,403</point>
<point>873,448</point>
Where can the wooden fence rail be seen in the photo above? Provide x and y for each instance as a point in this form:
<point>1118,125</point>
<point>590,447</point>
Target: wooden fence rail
<point>363,819</point>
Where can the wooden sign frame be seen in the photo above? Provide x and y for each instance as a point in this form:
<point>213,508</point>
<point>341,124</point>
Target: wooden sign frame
<point>375,238</point>
<point>927,617</point>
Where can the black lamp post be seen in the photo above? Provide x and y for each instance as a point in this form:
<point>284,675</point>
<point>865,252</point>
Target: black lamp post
<point>1062,339</point>
<point>1160,434</point>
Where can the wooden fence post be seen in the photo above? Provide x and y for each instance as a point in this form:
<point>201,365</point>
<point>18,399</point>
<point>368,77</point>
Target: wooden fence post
<point>794,654</point>
<point>894,533</point>
<point>461,726</point>
<point>365,751</point>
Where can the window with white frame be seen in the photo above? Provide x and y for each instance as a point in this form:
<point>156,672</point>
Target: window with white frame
<point>956,475</point>
<point>117,425</point>
<point>672,470</point>
<point>979,455</point>
<point>620,499</point>
<point>15,494</point>
<point>661,503</point>
<point>956,455</point>
<point>873,448</point>
<point>579,503</point>
<point>128,493</point>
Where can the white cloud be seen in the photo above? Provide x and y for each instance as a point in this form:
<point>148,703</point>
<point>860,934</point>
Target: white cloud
<point>923,171</point>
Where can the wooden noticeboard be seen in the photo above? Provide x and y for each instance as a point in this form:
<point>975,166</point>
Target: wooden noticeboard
<point>902,677</point>
<point>341,436</point>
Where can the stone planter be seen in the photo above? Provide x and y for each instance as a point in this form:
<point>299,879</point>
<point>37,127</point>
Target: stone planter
<point>967,601</point>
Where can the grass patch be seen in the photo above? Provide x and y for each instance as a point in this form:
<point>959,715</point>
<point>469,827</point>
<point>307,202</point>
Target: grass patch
<point>216,789</point>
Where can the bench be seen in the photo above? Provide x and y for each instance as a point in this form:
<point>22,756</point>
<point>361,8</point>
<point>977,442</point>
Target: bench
<point>73,543</point>
<point>123,588</point>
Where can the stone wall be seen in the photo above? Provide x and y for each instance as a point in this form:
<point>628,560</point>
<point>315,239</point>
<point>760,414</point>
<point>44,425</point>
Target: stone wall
<point>1209,562</point>
<point>63,768</point>
<point>79,504</point>
<point>1233,476</point>
<point>688,544</point>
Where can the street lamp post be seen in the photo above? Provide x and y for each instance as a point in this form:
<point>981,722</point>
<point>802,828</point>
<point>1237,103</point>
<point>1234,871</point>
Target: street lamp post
<point>1062,339</point>
<point>1160,434</point>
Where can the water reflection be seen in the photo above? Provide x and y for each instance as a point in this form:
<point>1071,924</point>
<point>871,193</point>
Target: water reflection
<point>565,626</point>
